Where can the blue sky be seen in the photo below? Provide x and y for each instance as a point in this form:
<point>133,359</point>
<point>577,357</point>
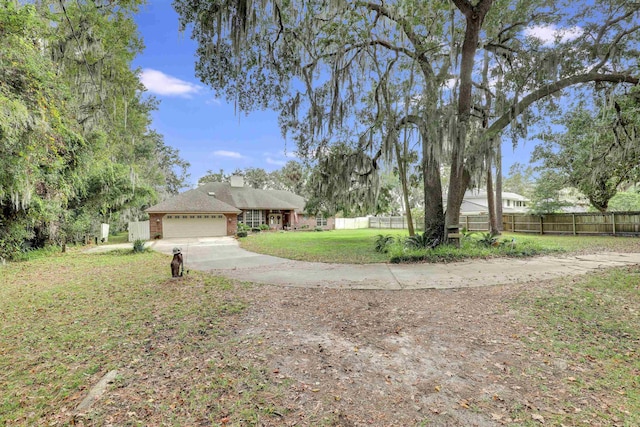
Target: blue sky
<point>208,132</point>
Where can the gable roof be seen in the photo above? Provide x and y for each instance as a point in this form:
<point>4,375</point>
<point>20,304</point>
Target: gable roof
<point>193,201</point>
<point>252,198</point>
<point>222,197</point>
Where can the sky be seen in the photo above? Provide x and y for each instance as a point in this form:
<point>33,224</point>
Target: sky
<point>207,131</point>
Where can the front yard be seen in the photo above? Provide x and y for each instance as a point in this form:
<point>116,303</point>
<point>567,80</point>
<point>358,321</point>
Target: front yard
<point>204,351</point>
<point>357,246</point>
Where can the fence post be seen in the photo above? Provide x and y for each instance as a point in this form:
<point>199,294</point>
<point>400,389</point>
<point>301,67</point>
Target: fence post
<point>541,225</point>
<point>573,216</point>
<point>513,223</point>
<point>613,222</point>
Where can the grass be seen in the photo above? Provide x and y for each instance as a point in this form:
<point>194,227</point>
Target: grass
<point>336,246</point>
<point>594,323</point>
<point>358,246</point>
<point>70,318</point>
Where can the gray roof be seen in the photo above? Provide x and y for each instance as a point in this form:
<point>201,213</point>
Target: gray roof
<point>222,197</point>
<point>193,201</point>
<point>252,198</point>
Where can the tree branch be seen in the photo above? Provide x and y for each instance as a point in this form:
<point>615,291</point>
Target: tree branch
<point>506,118</point>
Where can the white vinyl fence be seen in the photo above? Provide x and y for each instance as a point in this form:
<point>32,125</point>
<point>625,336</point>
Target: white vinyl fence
<point>390,222</point>
<point>139,230</point>
<point>351,223</point>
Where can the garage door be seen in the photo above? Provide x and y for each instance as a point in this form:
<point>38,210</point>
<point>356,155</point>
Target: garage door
<point>194,225</point>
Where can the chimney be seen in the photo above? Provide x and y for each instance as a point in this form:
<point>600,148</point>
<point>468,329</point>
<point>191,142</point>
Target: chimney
<point>237,181</point>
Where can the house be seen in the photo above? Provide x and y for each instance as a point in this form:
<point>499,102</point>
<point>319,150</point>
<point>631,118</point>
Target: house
<point>475,203</point>
<point>215,209</point>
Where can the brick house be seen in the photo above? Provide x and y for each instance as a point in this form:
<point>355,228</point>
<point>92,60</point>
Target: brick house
<point>216,208</point>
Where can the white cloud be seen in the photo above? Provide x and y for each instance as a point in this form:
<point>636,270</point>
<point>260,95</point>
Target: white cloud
<point>213,101</point>
<point>162,84</point>
<point>276,162</point>
<point>224,153</point>
<point>548,34</point>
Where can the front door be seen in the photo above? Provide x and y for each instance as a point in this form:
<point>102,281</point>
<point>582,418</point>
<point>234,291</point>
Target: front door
<point>275,221</point>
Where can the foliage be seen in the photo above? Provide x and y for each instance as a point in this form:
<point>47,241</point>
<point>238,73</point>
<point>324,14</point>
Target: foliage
<point>598,151</point>
<point>264,227</point>
<point>470,249</point>
<point>382,242</point>
<point>419,241</point>
<point>138,246</point>
<point>67,162</point>
<point>291,177</point>
<point>520,180</point>
<point>625,201</point>
<point>488,240</point>
<point>346,76</point>
<point>547,194</point>
<point>242,233</point>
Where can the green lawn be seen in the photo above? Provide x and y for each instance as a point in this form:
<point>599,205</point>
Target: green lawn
<point>357,246</point>
<point>339,246</point>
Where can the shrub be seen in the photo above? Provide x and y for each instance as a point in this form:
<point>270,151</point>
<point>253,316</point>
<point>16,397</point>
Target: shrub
<point>382,243</point>
<point>419,241</point>
<point>264,227</point>
<point>241,233</point>
<point>138,246</point>
<point>488,240</point>
<point>255,229</point>
<point>243,227</point>
<point>318,228</point>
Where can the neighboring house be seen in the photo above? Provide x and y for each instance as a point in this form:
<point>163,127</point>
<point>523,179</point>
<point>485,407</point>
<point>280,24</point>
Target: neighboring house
<point>216,208</point>
<point>475,203</point>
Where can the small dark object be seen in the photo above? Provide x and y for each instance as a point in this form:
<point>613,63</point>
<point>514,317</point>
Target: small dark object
<point>177,263</point>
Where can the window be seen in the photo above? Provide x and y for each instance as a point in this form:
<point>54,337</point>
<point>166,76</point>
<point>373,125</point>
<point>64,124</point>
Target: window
<point>321,221</point>
<point>252,218</point>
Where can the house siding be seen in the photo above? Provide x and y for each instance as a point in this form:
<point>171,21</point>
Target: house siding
<point>155,225</point>
<point>232,224</point>
<point>310,222</point>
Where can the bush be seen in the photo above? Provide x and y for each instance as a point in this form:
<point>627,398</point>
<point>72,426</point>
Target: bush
<point>138,246</point>
<point>318,228</point>
<point>243,227</point>
<point>241,234</point>
<point>420,241</point>
<point>255,230</point>
<point>382,243</point>
<point>264,227</point>
<point>488,240</point>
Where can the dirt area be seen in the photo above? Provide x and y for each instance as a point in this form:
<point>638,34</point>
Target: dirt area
<point>383,358</point>
<point>332,357</point>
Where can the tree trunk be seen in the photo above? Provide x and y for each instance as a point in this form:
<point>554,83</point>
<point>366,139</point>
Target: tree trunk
<point>402,170</point>
<point>499,187</point>
<point>434,219</point>
<point>491,202</point>
<point>460,177</point>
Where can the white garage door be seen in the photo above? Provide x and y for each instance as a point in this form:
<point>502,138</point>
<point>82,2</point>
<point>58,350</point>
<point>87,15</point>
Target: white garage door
<point>199,225</point>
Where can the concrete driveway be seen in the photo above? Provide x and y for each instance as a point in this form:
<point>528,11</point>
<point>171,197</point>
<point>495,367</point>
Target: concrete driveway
<point>223,256</point>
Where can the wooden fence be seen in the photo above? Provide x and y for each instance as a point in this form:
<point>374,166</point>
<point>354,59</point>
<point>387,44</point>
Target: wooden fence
<point>611,223</point>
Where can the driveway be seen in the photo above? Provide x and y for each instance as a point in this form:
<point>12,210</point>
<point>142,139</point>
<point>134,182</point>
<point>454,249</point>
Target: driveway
<point>223,256</point>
